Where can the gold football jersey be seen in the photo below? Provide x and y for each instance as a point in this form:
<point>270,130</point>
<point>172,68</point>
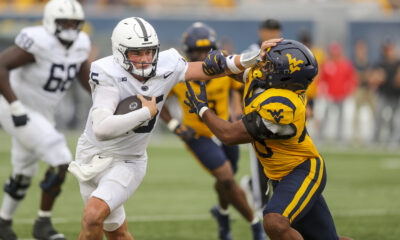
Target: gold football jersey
<point>218,101</point>
<point>280,155</point>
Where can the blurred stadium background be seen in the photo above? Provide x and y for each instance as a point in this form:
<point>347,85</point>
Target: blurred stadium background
<point>362,153</point>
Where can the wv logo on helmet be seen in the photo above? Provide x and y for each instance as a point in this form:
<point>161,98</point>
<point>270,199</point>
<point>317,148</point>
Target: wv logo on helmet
<point>293,63</point>
<point>276,114</point>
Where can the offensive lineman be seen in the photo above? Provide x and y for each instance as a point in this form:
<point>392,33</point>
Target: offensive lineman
<point>111,156</point>
<point>34,76</point>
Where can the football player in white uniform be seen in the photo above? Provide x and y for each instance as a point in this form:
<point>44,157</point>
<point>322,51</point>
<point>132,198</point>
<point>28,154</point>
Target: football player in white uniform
<point>111,156</point>
<point>34,76</point>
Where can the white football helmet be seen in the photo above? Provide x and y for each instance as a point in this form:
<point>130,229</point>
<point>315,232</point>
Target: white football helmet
<point>67,10</point>
<point>135,34</point>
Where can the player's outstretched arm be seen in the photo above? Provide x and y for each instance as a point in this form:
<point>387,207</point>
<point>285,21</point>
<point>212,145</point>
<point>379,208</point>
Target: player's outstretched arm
<point>218,65</point>
<point>12,58</point>
<point>229,133</point>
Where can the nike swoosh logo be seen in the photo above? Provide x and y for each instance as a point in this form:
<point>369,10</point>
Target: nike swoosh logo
<point>167,74</point>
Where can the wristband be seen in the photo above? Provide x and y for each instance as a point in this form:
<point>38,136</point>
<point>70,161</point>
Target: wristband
<point>230,63</point>
<point>202,110</point>
<point>173,124</point>
<point>17,108</point>
<point>249,59</point>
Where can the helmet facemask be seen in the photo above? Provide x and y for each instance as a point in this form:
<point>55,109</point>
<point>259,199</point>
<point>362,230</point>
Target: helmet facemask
<point>68,29</point>
<point>198,54</point>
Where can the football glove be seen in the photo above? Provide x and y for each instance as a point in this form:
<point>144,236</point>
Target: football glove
<point>197,103</point>
<point>184,132</point>
<point>215,63</point>
<point>18,114</point>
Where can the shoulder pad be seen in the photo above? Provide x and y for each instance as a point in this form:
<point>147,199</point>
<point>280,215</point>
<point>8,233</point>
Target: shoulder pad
<point>277,109</point>
<point>98,73</point>
<point>34,40</point>
<point>83,42</point>
<point>169,58</point>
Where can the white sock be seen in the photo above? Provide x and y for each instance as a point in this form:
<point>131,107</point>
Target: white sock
<point>8,207</point>
<point>223,211</point>
<point>42,213</point>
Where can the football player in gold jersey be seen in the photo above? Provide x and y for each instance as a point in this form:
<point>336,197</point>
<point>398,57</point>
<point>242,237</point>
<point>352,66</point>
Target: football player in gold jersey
<point>219,159</point>
<point>275,123</point>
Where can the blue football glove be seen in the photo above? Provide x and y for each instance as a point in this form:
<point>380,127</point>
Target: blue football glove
<point>197,103</point>
<point>214,63</point>
<point>184,132</point>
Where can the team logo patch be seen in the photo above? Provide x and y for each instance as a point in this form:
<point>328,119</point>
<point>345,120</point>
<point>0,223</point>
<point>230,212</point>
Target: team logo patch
<point>276,114</point>
<point>133,105</point>
<point>294,63</point>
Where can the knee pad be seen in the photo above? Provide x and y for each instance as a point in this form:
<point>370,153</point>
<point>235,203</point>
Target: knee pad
<point>53,180</point>
<point>17,186</point>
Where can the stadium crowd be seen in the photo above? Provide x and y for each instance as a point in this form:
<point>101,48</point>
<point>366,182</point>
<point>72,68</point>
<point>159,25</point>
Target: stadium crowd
<point>27,5</point>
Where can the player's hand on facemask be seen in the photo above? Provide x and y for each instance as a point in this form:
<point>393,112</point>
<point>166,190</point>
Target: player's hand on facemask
<point>197,103</point>
<point>150,104</point>
<point>18,114</point>
<point>215,63</point>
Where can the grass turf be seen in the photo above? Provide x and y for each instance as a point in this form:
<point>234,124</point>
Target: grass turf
<point>173,202</point>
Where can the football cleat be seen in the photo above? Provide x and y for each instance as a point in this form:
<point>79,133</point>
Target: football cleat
<point>44,230</point>
<point>223,221</point>
<point>6,233</point>
<point>258,231</point>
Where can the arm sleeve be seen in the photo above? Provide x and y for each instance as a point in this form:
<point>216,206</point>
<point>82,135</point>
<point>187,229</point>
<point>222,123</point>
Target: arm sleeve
<point>108,126</point>
<point>105,97</point>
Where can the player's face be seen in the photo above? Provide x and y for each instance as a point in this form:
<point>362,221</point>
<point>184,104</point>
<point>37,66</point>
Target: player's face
<point>68,23</point>
<point>141,58</point>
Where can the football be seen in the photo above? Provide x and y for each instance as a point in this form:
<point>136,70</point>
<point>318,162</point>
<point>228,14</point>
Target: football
<point>129,104</point>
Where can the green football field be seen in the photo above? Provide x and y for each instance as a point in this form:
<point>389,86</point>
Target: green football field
<point>173,202</point>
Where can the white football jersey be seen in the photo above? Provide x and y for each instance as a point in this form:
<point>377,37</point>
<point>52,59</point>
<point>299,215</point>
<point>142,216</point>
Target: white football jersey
<point>171,69</point>
<point>42,84</point>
